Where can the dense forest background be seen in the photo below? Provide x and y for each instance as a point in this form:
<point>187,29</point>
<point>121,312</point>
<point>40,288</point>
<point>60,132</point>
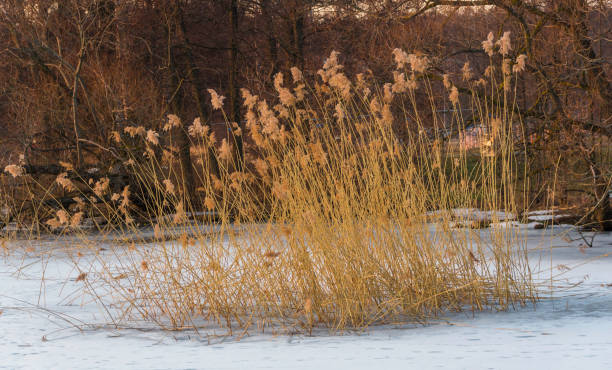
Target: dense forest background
<point>74,71</point>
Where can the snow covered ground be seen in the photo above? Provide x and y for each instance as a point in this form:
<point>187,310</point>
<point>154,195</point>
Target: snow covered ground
<point>51,325</point>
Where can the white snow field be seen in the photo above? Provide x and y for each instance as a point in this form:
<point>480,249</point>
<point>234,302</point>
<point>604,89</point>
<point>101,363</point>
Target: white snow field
<point>50,325</point>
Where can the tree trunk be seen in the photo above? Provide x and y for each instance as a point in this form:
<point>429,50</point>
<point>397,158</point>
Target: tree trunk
<point>197,91</point>
<point>601,92</point>
<point>233,81</point>
<point>297,36</point>
<point>272,41</point>
<point>173,93</point>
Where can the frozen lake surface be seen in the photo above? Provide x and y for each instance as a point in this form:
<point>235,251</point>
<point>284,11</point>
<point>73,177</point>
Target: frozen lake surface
<point>52,325</point>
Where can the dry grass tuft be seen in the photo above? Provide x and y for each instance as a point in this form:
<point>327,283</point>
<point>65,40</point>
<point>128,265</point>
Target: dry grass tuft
<point>331,221</point>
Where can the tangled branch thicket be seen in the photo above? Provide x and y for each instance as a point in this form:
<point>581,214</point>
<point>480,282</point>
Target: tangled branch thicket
<point>74,73</point>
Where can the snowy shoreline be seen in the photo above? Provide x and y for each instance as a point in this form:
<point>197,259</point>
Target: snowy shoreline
<point>571,330</point>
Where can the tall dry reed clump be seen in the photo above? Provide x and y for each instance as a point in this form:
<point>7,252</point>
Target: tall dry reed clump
<point>330,220</point>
